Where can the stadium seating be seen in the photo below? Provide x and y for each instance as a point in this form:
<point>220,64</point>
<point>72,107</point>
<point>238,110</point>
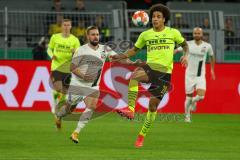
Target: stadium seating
<point>28,22</point>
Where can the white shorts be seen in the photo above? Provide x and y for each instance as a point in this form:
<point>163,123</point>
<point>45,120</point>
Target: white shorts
<point>194,82</point>
<point>78,90</point>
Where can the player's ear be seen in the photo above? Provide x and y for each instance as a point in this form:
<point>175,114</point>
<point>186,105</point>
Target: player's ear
<point>163,20</point>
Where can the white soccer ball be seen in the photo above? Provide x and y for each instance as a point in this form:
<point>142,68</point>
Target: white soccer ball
<point>140,18</point>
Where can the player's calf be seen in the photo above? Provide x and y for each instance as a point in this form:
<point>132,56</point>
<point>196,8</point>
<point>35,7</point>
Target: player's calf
<point>65,110</point>
<point>195,100</point>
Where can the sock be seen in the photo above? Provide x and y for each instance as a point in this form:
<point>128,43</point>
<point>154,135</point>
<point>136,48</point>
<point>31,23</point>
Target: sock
<point>148,122</point>
<point>188,101</point>
<point>56,94</point>
<point>132,94</point>
<point>55,101</point>
<point>84,118</point>
<point>61,99</point>
<point>197,98</point>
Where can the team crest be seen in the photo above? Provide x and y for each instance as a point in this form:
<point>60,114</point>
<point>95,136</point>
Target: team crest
<point>103,55</point>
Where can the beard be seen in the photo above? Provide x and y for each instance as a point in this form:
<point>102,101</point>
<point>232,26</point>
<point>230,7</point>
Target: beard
<point>94,43</point>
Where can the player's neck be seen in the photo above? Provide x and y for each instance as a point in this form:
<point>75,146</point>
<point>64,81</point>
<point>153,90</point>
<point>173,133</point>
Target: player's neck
<point>65,35</point>
<point>159,28</point>
<point>198,42</point>
<point>93,47</point>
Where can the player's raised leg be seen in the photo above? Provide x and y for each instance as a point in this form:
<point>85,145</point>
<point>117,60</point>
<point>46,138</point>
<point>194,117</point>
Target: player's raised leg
<point>200,93</point>
<point>138,75</point>
<point>132,94</point>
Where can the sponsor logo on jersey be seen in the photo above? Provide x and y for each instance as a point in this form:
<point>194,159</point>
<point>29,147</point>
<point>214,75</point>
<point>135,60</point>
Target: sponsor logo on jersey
<point>152,48</point>
<point>156,42</point>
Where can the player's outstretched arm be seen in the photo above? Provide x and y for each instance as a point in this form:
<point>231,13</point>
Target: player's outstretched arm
<point>131,52</point>
<point>137,63</point>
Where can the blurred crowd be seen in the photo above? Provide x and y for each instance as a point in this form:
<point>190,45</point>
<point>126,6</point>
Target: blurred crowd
<point>80,23</point>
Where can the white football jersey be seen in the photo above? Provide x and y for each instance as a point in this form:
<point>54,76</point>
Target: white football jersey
<point>197,58</point>
<point>90,61</point>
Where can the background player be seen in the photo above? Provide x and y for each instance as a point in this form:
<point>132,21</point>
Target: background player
<point>61,48</point>
<point>160,41</point>
<point>195,72</point>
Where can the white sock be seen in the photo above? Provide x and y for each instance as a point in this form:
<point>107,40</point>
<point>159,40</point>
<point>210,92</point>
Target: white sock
<point>187,103</point>
<point>197,98</point>
<point>84,118</point>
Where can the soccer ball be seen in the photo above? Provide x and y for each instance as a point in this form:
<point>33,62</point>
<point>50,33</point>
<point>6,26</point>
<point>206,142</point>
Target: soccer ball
<point>140,18</point>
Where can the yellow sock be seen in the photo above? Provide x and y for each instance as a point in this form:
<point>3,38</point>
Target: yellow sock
<point>150,118</point>
<point>62,99</point>
<point>55,96</point>
<point>132,94</point>
<point>59,98</point>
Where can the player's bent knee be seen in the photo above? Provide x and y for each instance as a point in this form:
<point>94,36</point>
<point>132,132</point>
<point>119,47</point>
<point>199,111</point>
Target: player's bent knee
<point>152,109</point>
<point>134,75</point>
<point>57,87</point>
<point>153,104</point>
<point>140,76</point>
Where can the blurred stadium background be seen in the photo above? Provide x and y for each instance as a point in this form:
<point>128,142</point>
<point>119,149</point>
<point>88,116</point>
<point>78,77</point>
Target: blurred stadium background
<point>23,24</point>
<point>27,25</point>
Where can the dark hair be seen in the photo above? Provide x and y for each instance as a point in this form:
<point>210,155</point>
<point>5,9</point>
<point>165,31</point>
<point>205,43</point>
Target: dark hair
<point>160,8</point>
<point>90,28</point>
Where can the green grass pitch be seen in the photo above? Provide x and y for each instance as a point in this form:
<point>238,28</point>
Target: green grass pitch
<point>32,136</point>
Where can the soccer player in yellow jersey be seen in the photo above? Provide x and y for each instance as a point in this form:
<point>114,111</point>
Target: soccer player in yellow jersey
<point>61,48</point>
<point>160,42</point>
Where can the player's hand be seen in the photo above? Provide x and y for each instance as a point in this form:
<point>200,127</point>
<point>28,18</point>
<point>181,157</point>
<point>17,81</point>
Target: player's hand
<point>138,63</point>
<point>85,77</point>
<point>213,74</point>
<point>184,60</point>
<point>118,57</point>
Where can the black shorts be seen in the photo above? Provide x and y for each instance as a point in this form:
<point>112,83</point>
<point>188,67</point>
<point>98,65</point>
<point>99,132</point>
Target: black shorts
<point>160,82</point>
<point>61,76</point>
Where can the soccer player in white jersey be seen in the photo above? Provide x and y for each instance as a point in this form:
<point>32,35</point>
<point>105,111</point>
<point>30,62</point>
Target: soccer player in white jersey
<point>195,72</point>
<point>86,67</point>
